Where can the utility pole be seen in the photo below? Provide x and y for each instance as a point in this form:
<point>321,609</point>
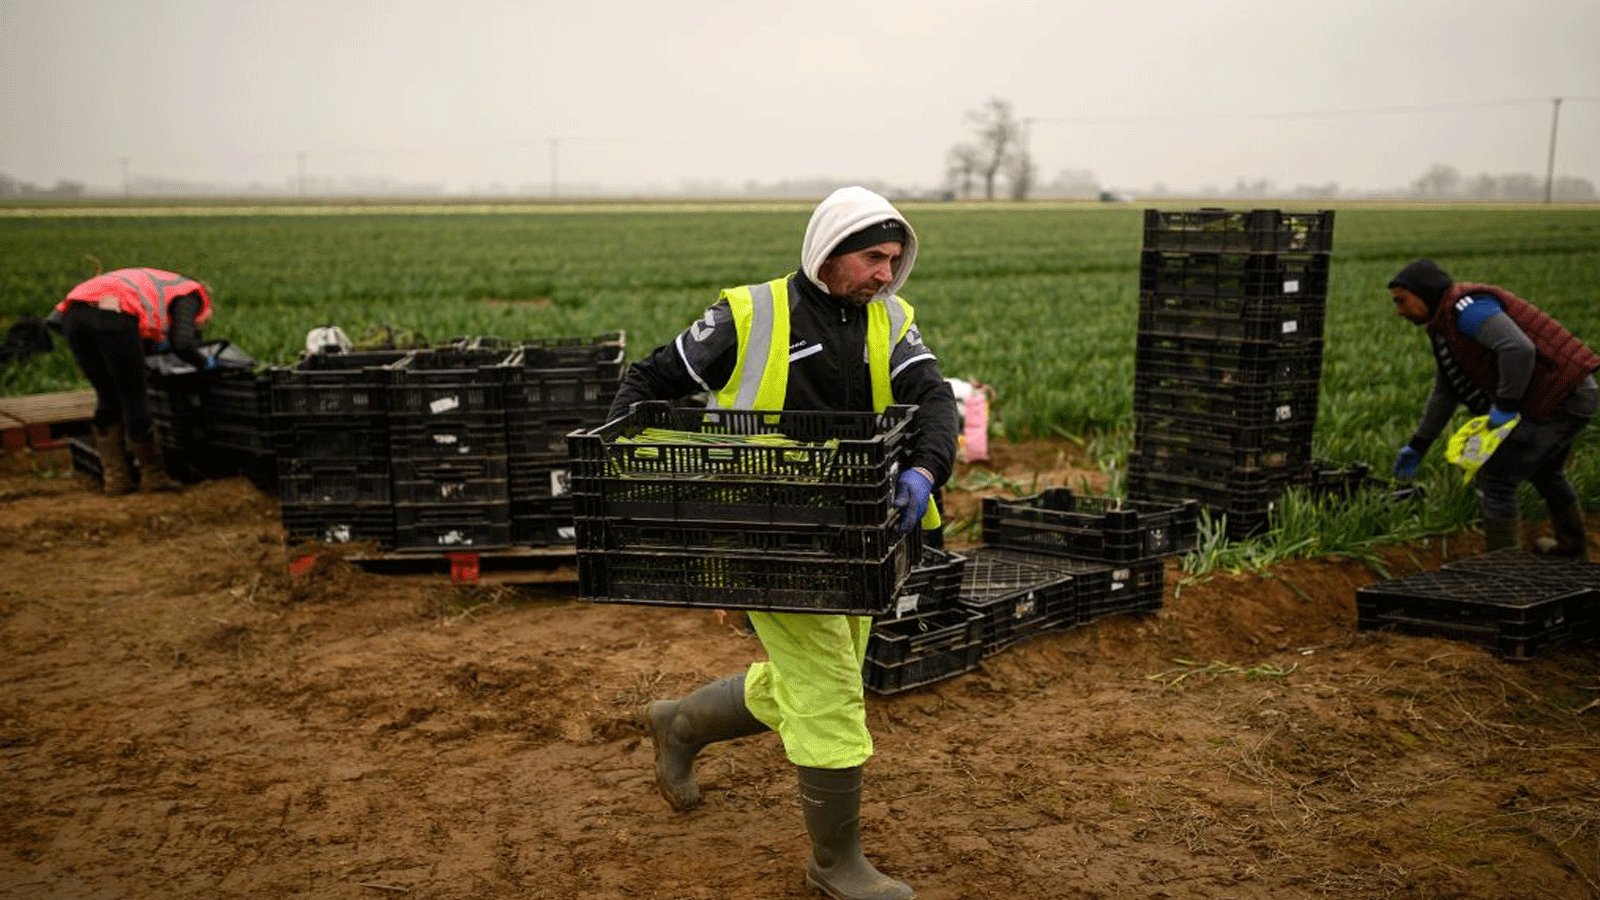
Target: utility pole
<point>1550,165</point>
<point>555,148</point>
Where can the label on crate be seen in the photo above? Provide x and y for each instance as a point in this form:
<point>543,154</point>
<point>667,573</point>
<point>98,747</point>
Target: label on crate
<point>1284,413</point>
<point>1291,326</point>
<point>444,405</point>
<point>1291,286</point>
<point>560,482</point>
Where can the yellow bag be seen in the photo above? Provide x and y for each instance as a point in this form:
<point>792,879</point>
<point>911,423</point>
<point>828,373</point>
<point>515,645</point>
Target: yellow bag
<point>1472,445</point>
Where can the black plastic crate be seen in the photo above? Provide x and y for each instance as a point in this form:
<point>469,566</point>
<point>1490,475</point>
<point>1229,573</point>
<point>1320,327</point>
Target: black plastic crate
<point>340,523</point>
<point>1179,457</point>
<point>556,377</point>
<point>770,581</point>
<point>934,583</point>
<point>1242,276</point>
<point>1256,230</point>
<point>569,351</point>
<point>1494,605</point>
<point>350,482</point>
<point>445,437</point>
<point>1246,498</point>
<point>1100,588</point>
<point>1017,599</point>
<point>330,438</point>
<point>452,526</point>
<point>1164,359</point>
<point>353,384</point>
<point>1231,445</point>
<point>1241,405</point>
<point>544,432</point>
<point>793,543</point>
<point>1554,571</point>
<point>835,469</point>
<point>542,524</point>
<point>450,383</point>
<point>1294,319</point>
<point>916,650</point>
<point>464,479</point>
<point>539,479</point>
<point>243,395</point>
<point>1060,521</point>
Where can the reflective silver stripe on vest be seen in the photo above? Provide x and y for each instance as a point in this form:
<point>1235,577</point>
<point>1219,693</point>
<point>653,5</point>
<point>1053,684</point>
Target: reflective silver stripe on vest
<point>758,347</point>
<point>153,307</point>
<point>897,321</point>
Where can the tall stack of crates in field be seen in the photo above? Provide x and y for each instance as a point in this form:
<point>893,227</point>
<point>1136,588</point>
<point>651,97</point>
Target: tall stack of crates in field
<point>330,433</point>
<point>1228,360</point>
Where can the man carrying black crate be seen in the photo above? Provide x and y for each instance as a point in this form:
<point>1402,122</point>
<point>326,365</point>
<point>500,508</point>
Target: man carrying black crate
<point>1501,356</point>
<point>833,336</point>
<point>110,322</point>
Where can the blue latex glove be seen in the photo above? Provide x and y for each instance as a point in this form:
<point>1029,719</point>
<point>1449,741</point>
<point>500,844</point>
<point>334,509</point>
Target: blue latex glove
<point>1405,465</point>
<point>211,362</point>
<point>911,498</point>
<point>1498,417</point>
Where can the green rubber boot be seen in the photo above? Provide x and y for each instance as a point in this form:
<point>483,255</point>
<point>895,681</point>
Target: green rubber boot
<point>831,799</point>
<point>680,729</point>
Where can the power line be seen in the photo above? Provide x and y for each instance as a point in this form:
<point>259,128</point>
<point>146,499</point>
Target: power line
<point>1314,114</point>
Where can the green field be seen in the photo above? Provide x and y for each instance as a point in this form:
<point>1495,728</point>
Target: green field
<point>1039,301</point>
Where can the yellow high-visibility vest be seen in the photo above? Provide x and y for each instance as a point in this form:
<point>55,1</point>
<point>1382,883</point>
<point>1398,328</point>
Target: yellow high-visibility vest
<point>760,377</point>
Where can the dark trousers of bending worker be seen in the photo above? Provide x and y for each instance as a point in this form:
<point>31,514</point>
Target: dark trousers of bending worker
<point>110,352</point>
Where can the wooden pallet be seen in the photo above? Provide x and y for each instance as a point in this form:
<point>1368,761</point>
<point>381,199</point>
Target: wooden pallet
<point>42,422</point>
<point>520,566</point>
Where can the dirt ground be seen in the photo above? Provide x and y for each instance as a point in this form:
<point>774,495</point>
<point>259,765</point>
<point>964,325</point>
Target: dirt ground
<point>182,717</point>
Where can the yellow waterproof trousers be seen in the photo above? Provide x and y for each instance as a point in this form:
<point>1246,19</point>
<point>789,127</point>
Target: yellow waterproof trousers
<point>809,689</point>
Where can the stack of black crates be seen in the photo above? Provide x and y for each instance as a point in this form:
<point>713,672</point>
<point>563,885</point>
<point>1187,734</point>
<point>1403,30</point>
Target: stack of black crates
<point>787,511</point>
<point>453,448</point>
<point>1510,601</point>
<point>1229,357</point>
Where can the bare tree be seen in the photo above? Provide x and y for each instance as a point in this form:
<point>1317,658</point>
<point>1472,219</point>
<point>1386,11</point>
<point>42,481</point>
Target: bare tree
<point>1020,174</point>
<point>1000,137</point>
<point>962,165</point>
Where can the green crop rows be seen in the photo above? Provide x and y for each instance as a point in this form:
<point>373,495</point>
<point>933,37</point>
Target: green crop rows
<point>1041,302</point>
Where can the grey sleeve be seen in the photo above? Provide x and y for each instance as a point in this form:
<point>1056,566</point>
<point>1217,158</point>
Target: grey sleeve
<point>1435,415</point>
<point>1515,355</point>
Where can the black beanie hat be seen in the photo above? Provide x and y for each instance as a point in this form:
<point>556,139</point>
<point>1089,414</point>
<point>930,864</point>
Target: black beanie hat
<point>870,236</point>
<point>1424,278</point>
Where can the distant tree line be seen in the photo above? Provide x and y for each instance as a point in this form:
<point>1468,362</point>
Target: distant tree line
<point>997,162</point>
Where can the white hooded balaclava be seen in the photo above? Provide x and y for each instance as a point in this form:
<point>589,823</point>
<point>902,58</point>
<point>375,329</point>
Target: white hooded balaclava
<point>844,212</point>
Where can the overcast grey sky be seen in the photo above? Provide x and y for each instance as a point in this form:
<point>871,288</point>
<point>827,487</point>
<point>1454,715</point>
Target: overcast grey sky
<point>639,93</point>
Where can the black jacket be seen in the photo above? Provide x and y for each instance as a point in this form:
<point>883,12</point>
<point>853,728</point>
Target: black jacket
<point>833,378</point>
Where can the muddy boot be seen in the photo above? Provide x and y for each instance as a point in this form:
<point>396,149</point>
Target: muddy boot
<point>1569,539</point>
<point>1499,534</point>
<point>152,467</point>
<point>831,801</point>
<point>115,478</point>
<point>680,729</point>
